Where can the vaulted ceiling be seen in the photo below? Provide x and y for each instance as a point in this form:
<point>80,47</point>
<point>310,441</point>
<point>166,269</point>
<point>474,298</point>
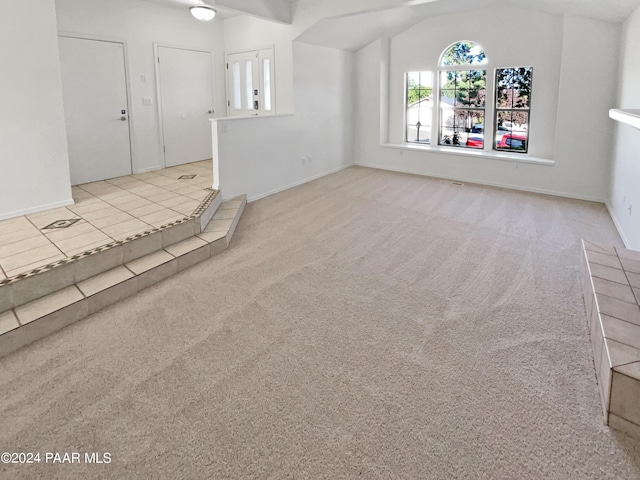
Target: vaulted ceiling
<point>354,29</point>
<point>352,24</point>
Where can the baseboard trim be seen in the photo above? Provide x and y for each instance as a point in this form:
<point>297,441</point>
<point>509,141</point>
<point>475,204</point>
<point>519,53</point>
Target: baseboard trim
<point>253,198</point>
<point>617,225</point>
<point>489,184</point>
<point>148,169</point>
<point>41,208</point>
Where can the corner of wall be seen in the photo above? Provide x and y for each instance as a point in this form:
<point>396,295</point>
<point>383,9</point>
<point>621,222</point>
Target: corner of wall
<point>617,224</point>
<point>385,72</point>
<point>624,176</point>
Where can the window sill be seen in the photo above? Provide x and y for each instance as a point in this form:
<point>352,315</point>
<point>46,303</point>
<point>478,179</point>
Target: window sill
<point>467,152</point>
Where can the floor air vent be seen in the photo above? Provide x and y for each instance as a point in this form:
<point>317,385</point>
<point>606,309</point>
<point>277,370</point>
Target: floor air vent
<point>459,184</point>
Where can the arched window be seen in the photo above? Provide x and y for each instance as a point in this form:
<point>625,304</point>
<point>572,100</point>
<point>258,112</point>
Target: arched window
<point>463,53</point>
<point>459,100</point>
<point>463,91</point>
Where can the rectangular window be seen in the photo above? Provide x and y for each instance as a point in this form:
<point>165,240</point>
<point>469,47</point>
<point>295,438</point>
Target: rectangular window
<point>419,102</point>
<point>249,84</point>
<point>513,102</point>
<point>462,106</point>
<point>266,79</point>
<point>237,101</point>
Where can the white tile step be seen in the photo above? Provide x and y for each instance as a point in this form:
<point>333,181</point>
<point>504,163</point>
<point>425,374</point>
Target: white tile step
<point>611,290</point>
<point>36,319</point>
<point>30,286</point>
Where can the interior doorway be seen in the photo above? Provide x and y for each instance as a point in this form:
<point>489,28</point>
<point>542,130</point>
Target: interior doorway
<point>94,90</point>
<point>185,97</point>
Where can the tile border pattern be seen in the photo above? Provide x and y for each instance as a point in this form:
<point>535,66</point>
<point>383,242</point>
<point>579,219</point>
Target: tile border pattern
<point>45,315</point>
<point>74,258</point>
<point>608,275</point>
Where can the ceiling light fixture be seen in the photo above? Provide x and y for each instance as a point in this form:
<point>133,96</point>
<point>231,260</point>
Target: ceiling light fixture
<point>204,13</point>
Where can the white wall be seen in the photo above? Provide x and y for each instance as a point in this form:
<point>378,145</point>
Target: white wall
<point>245,32</point>
<point>584,133</point>
<point>533,40</point>
<point>565,111</point>
<point>141,24</point>
<point>625,174</point>
<point>34,163</point>
<point>371,100</point>
<point>262,155</point>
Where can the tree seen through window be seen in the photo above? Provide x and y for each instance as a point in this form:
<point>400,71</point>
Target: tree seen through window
<point>460,101</point>
<point>419,103</point>
<point>462,96</point>
<point>513,103</point>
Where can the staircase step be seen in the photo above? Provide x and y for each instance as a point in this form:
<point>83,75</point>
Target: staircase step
<point>611,291</point>
<point>30,321</point>
<point>30,286</point>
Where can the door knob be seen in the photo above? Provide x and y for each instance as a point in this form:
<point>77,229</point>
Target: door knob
<point>210,112</point>
<point>123,118</point>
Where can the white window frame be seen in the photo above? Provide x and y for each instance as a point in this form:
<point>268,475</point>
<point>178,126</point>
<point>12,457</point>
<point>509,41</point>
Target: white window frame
<point>462,68</point>
<point>406,106</point>
<point>491,110</point>
<point>497,110</point>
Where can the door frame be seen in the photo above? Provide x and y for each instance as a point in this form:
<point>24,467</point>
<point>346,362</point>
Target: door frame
<point>156,63</point>
<point>271,46</point>
<point>127,76</point>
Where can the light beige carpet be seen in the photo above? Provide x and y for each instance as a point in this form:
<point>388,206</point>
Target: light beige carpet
<point>366,325</point>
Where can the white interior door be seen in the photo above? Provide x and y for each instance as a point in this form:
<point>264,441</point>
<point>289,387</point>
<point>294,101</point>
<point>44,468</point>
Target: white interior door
<point>250,83</point>
<point>186,96</point>
<point>94,89</point>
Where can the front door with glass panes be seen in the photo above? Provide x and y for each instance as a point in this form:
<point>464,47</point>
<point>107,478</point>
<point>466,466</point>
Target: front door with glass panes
<point>250,82</point>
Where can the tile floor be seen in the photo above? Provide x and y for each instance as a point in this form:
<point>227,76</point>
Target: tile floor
<point>103,212</point>
<point>46,313</point>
